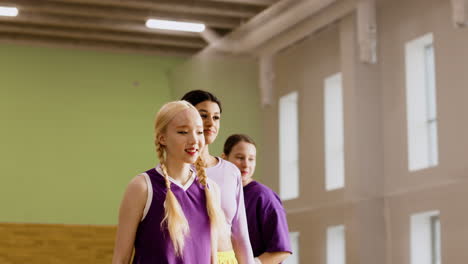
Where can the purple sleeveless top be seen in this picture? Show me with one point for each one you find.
(153, 244)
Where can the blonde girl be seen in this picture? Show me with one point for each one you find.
(171, 213)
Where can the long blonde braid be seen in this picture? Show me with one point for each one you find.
(174, 216)
(218, 222)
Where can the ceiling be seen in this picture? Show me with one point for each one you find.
(120, 24)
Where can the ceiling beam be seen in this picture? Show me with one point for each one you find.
(101, 36)
(118, 13)
(94, 45)
(248, 2)
(273, 21)
(209, 35)
(33, 18)
(188, 7)
(306, 27)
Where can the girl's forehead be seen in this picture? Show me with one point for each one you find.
(208, 106)
(245, 146)
(186, 118)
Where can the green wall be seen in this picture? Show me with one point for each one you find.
(234, 80)
(76, 126)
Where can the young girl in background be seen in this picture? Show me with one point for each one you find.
(170, 214)
(227, 176)
(268, 228)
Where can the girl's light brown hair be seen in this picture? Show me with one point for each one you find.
(233, 140)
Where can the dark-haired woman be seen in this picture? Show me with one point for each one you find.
(237, 249)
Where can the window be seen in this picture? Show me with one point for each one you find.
(334, 139)
(289, 146)
(336, 246)
(435, 239)
(294, 258)
(421, 104)
(425, 238)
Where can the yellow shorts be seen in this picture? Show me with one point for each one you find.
(227, 257)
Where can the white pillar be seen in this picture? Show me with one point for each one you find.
(266, 80)
(367, 31)
(460, 13)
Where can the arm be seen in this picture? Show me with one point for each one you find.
(240, 231)
(130, 214)
(273, 257)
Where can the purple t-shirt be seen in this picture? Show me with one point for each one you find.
(268, 228)
(228, 178)
(153, 244)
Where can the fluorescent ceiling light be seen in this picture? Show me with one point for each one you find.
(175, 25)
(8, 11)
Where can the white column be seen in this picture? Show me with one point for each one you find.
(460, 13)
(367, 31)
(266, 79)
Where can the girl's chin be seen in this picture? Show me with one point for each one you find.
(209, 139)
(191, 159)
(246, 181)
(246, 178)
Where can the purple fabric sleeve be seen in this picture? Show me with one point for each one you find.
(275, 229)
(268, 227)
